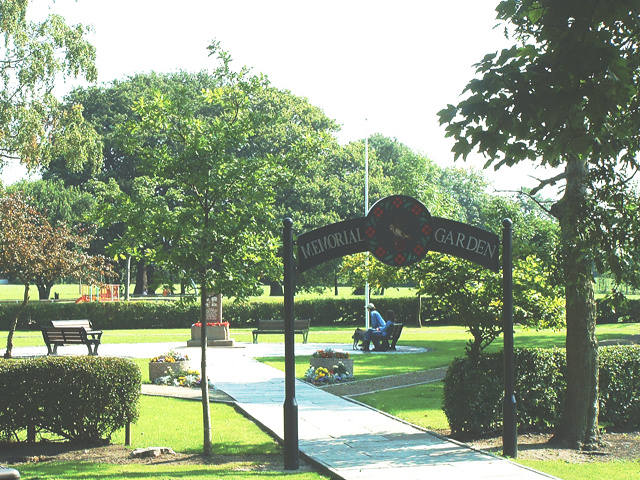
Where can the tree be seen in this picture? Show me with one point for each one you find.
(470, 295)
(567, 95)
(333, 190)
(106, 108)
(33, 57)
(220, 157)
(31, 248)
(60, 206)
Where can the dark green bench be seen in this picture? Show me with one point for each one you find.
(388, 342)
(300, 326)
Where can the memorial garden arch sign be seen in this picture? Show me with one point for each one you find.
(399, 231)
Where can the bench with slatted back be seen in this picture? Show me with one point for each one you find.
(388, 342)
(71, 332)
(300, 326)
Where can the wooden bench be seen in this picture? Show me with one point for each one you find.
(388, 342)
(300, 326)
(71, 332)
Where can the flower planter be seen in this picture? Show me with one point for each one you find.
(215, 332)
(162, 369)
(328, 363)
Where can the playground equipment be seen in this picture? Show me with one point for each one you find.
(103, 293)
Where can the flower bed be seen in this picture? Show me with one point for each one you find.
(215, 331)
(172, 363)
(183, 378)
(329, 366)
(330, 353)
(331, 363)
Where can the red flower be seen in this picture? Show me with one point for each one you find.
(400, 259)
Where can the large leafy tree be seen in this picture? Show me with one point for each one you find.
(60, 204)
(31, 248)
(117, 179)
(33, 57)
(219, 157)
(333, 190)
(567, 95)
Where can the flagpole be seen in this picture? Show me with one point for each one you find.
(366, 211)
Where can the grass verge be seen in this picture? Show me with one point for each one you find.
(177, 424)
(586, 471)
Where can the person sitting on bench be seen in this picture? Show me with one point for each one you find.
(378, 328)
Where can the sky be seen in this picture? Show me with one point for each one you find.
(373, 66)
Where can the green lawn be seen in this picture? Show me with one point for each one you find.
(234, 435)
(177, 424)
(586, 471)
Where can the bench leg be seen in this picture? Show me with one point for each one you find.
(93, 351)
(305, 336)
(255, 338)
(52, 351)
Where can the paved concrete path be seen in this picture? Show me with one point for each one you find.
(350, 440)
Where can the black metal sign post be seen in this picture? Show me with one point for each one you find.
(509, 414)
(291, 449)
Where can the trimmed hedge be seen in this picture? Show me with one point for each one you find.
(103, 315)
(473, 390)
(169, 314)
(620, 386)
(321, 311)
(78, 398)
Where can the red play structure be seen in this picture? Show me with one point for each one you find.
(104, 293)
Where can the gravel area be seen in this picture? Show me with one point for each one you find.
(361, 387)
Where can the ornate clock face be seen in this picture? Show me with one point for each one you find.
(398, 230)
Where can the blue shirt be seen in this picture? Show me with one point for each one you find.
(376, 320)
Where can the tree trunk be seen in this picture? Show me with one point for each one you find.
(275, 289)
(151, 284)
(25, 300)
(127, 280)
(141, 277)
(579, 425)
(419, 312)
(204, 383)
(44, 289)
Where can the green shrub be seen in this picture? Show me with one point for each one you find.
(620, 386)
(540, 386)
(78, 398)
(474, 390)
(104, 315)
(618, 309)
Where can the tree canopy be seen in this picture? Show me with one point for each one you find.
(34, 56)
(566, 95)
